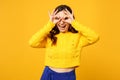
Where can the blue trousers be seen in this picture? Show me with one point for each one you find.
(49, 74)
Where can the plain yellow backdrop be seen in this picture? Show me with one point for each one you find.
(20, 19)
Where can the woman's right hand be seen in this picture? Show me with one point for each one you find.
(53, 17)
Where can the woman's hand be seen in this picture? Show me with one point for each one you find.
(53, 17)
(69, 17)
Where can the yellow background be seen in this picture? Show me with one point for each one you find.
(20, 19)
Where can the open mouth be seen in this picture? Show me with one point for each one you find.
(62, 26)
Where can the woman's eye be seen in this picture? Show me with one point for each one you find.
(66, 18)
(56, 18)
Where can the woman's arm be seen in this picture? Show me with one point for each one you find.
(88, 36)
(39, 39)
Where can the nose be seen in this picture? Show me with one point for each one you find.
(61, 21)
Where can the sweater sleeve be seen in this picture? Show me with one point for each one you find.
(88, 36)
(39, 39)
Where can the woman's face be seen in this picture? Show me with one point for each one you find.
(62, 24)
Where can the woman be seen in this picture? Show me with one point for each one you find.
(63, 37)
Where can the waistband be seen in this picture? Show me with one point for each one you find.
(57, 73)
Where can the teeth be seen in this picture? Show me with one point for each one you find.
(62, 26)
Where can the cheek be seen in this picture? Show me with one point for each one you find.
(57, 24)
(67, 26)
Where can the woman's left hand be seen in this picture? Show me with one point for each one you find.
(70, 17)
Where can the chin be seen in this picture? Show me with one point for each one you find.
(63, 31)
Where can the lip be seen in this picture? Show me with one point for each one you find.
(62, 26)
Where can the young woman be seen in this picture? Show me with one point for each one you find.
(63, 37)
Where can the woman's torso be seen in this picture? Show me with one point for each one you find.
(66, 52)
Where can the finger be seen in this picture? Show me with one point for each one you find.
(55, 12)
(68, 12)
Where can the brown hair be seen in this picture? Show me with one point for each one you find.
(55, 30)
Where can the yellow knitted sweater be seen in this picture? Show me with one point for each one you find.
(66, 52)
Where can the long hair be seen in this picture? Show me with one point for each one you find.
(55, 30)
